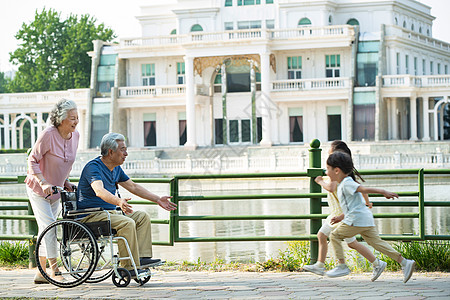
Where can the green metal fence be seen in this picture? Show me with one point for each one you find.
(315, 214)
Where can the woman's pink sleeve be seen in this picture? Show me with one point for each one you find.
(41, 147)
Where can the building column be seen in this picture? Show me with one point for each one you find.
(6, 130)
(413, 116)
(394, 118)
(426, 119)
(265, 103)
(190, 103)
(253, 93)
(223, 71)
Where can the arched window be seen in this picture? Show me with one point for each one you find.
(428, 32)
(420, 29)
(173, 31)
(330, 20)
(396, 21)
(196, 27)
(304, 22)
(404, 24)
(353, 22)
(412, 27)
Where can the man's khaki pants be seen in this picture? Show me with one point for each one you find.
(135, 227)
(369, 234)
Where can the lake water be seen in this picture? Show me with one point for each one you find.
(437, 218)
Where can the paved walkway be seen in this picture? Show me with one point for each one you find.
(237, 285)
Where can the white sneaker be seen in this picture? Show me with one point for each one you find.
(408, 269)
(338, 271)
(315, 269)
(378, 269)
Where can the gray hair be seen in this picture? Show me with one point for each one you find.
(109, 141)
(59, 112)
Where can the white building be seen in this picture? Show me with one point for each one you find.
(268, 72)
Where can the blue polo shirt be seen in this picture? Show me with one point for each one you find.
(93, 171)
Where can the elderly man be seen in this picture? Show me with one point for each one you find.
(97, 188)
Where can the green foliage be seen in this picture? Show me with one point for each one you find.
(4, 83)
(13, 150)
(53, 52)
(429, 255)
(292, 259)
(13, 253)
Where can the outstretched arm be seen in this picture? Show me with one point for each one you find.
(366, 198)
(367, 190)
(106, 196)
(329, 186)
(142, 192)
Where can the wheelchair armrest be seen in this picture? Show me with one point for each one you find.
(84, 211)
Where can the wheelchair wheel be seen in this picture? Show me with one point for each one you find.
(143, 280)
(104, 265)
(124, 280)
(77, 255)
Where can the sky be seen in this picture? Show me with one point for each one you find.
(122, 18)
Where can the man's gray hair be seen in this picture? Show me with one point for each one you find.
(60, 110)
(109, 141)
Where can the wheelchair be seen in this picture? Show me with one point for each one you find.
(85, 250)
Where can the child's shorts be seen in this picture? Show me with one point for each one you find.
(327, 229)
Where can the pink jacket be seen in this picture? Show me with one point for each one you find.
(52, 156)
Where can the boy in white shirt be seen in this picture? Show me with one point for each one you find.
(356, 217)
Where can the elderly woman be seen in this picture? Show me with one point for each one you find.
(49, 164)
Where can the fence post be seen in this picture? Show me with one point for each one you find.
(315, 203)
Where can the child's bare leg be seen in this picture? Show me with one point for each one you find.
(323, 247)
(363, 250)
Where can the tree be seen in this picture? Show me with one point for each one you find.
(4, 82)
(53, 52)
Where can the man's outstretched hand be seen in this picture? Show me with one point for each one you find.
(165, 203)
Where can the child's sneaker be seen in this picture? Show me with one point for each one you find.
(378, 269)
(339, 271)
(408, 269)
(314, 269)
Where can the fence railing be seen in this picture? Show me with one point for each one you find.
(315, 195)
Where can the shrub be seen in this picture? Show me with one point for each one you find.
(14, 253)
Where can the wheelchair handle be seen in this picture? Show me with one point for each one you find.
(56, 189)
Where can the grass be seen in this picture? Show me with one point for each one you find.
(430, 256)
(14, 254)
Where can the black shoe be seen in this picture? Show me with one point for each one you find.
(147, 261)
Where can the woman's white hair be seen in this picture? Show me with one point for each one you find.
(59, 112)
(109, 141)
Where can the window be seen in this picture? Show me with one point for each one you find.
(423, 67)
(304, 22)
(407, 64)
(150, 129)
(404, 24)
(420, 30)
(105, 74)
(196, 27)
(246, 131)
(439, 69)
(364, 116)
(218, 130)
(242, 134)
(99, 121)
(234, 131)
(334, 123)
(269, 1)
(228, 26)
(174, 31)
(367, 63)
(148, 74)
(249, 24)
(415, 66)
(396, 21)
(294, 67)
(270, 24)
(228, 3)
(412, 27)
(248, 2)
(431, 68)
(446, 69)
(398, 63)
(295, 125)
(330, 20)
(353, 22)
(182, 128)
(180, 72)
(332, 65)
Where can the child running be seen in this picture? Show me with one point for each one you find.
(356, 217)
(324, 232)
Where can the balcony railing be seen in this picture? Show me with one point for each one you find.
(234, 35)
(138, 91)
(43, 97)
(310, 84)
(416, 81)
(416, 37)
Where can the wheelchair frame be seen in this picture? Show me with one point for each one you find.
(78, 251)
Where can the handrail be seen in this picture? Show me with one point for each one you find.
(316, 203)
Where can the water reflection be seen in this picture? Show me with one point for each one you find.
(437, 219)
